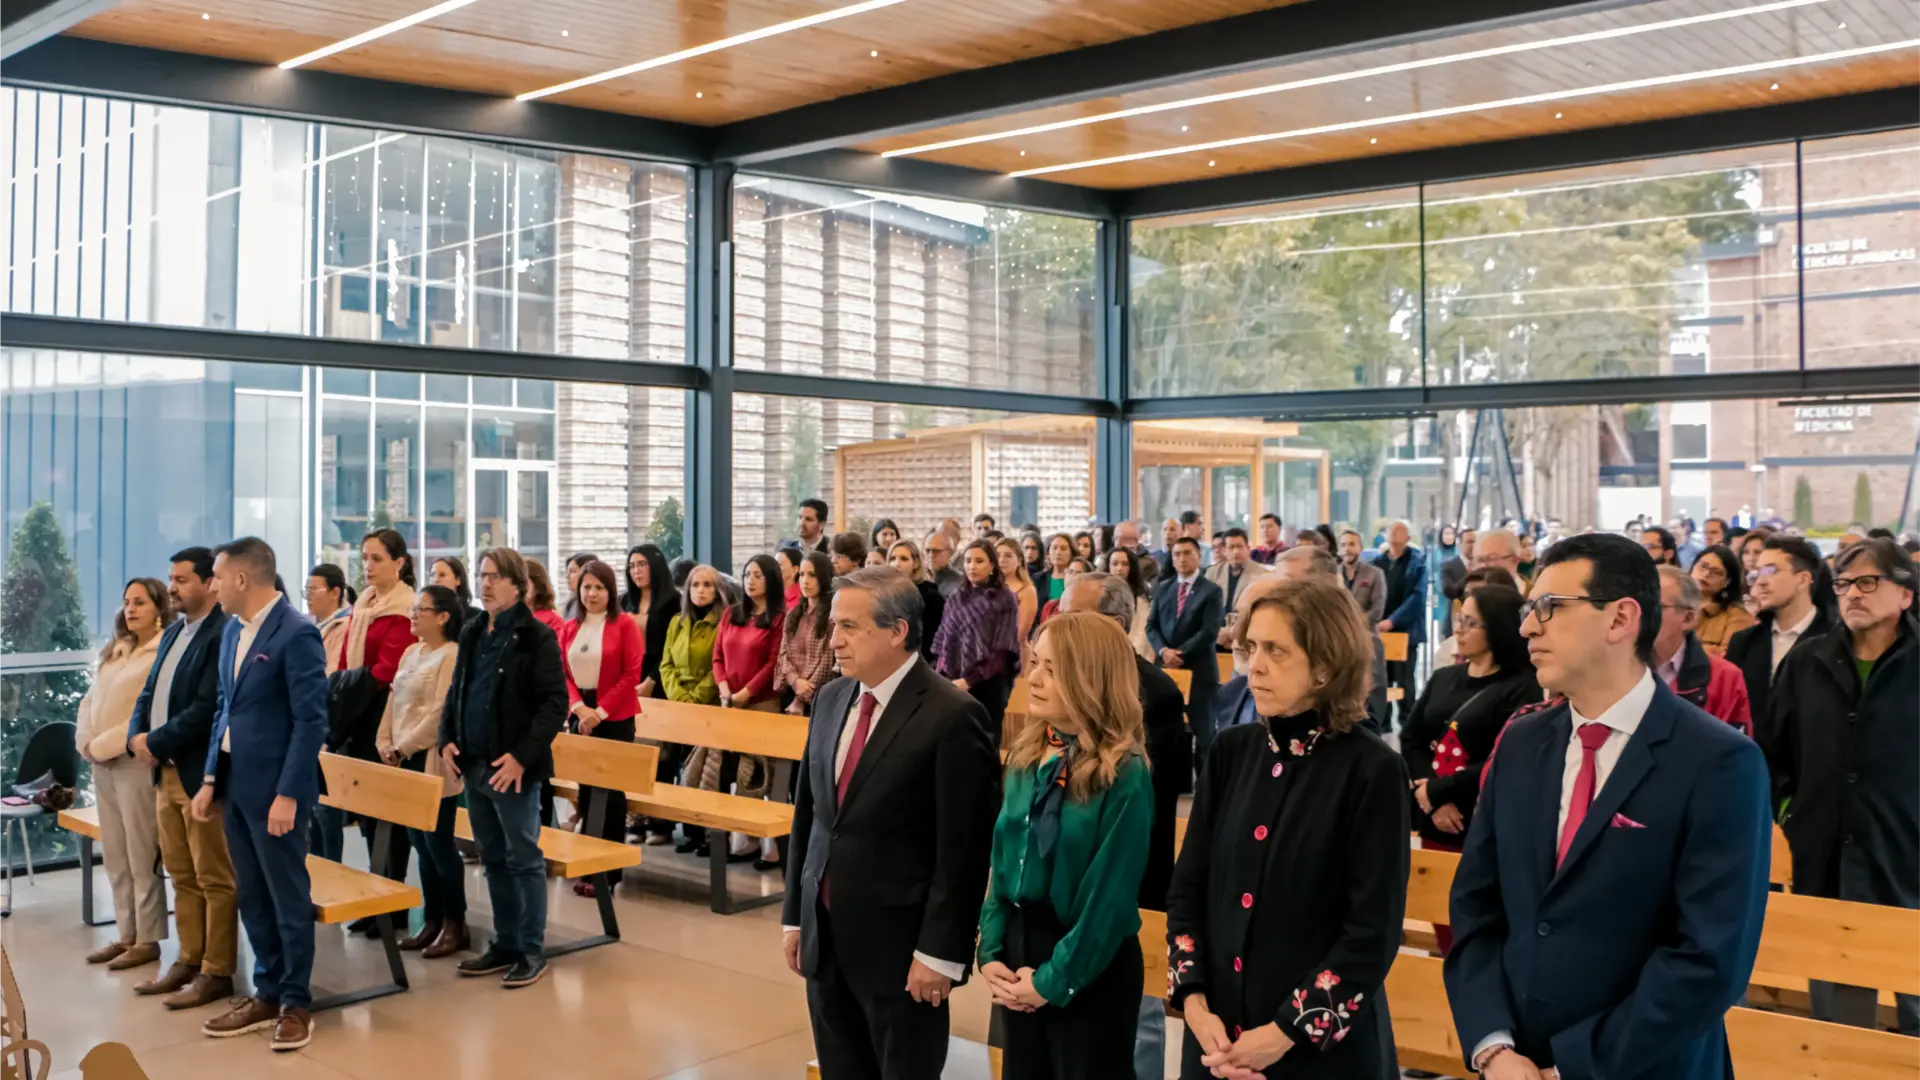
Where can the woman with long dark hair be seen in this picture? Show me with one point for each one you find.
(651, 601)
(1125, 565)
(378, 634)
(791, 559)
(884, 535)
(748, 642)
(905, 557)
(806, 648)
(1060, 928)
(1452, 728)
(1052, 580)
(450, 573)
(1723, 590)
(686, 666)
(122, 786)
(601, 651)
(978, 646)
(409, 737)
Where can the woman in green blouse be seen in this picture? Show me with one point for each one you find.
(1059, 933)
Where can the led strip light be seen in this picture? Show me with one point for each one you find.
(377, 32)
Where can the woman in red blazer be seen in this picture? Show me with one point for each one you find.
(601, 652)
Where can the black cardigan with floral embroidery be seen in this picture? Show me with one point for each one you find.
(1287, 899)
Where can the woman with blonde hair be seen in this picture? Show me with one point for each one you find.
(905, 557)
(1285, 908)
(122, 786)
(1059, 932)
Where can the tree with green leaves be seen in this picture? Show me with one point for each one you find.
(41, 611)
(1803, 502)
(1862, 499)
(668, 531)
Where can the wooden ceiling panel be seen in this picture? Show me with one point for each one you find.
(1799, 31)
(508, 47)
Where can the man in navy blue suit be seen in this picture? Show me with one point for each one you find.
(1608, 902)
(1183, 624)
(269, 724)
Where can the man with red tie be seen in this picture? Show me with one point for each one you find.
(893, 819)
(1608, 902)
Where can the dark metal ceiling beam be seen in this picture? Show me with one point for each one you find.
(26, 23)
(910, 176)
(1304, 31)
(80, 66)
(1877, 110)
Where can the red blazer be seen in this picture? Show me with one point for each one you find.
(1713, 684)
(623, 651)
(387, 641)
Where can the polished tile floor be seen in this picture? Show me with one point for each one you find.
(686, 994)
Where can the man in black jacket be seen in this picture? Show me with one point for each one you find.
(506, 701)
(1791, 614)
(172, 722)
(1183, 624)
(1843, 743)
(1163, 714)
(892, 823)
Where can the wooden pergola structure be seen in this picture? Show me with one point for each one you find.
(943, 466)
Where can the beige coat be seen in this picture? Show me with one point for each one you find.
(108, 706)
(411, 722)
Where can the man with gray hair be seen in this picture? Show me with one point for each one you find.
(1683, 663)
(1163, 712)
(893, 819)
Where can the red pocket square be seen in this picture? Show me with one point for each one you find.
(1622, 821)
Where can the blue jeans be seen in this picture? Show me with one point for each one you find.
(329, 832)
(506, 829)
(1150, 1041)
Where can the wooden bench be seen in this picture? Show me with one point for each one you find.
(604, 765)
(778, 736)
(1394, 645)
(84, 823)
(388, 797)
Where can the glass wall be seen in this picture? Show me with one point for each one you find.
(112, 463)
(1316, 295)
(1862, 257)
(911, 464)
(188, 217)
(859, 285)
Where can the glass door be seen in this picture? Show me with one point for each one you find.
(513, 507)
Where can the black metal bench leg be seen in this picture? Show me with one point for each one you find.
(720, 899)
(603, 883)
(395, 968)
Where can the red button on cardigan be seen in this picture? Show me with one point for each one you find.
(1259, 832)
(1246, 900)
(1236, 963)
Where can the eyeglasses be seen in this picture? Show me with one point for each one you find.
(1468, 622)
(1543, 607)
(1754, 575)
(1866, 583)
(489, 575)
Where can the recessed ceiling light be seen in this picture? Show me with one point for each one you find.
(563, 33)
(1371, 142)
(1775, 86)
(1485, 106)
(204, 15)
(377, 32)
(712, 47)
(1209, 164)
(1369, 97)
(875, 52)
(1557, 116)
(1023, 153)
(1183, 127)
(1842, 26)
(698, 93)
(1348, 76)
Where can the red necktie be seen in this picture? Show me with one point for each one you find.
(1591, 736)
(860, 731)
(1180, 600)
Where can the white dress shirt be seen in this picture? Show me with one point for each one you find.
(1623, 717)
(1785, 637)
(169, 664)
(249, 628)
(882, 694)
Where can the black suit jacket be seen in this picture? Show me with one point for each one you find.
(1168, 750)
(1194, 631)
(1751, 650)
(529, 705)
(908, 849)
(182, 738)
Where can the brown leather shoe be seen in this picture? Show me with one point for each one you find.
(429, 933)
(174, 978)
(201, 990)
(453, 939)
(106, 953)
(138, 956)
(293, 1030)
(248, 1014)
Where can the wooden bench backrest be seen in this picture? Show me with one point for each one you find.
(605, 763)
(1773, 1046)
(372, 790)
(1394, 645)
(1429, 880)
(745, 731)
(1183, 679)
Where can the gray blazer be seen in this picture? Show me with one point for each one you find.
(1369, 589)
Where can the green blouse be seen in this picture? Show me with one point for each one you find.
(1092, 878)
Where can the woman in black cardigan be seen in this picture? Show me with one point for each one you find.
(651, 600)
(1450, 732)
(1286, 903)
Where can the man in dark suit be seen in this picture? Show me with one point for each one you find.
(1792, 613)
(1183, 624)
(1405, 569)
(171, 726)
(893, 820)
(271, 722)
(1608, 903)
(1163, 714)
(813, 528)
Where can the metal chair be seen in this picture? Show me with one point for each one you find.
(51, 750)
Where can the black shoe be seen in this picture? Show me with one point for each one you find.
(743, 856)
(365, 927)
(684, 847)
(525, 971)
(764, 865)
(491, 962)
